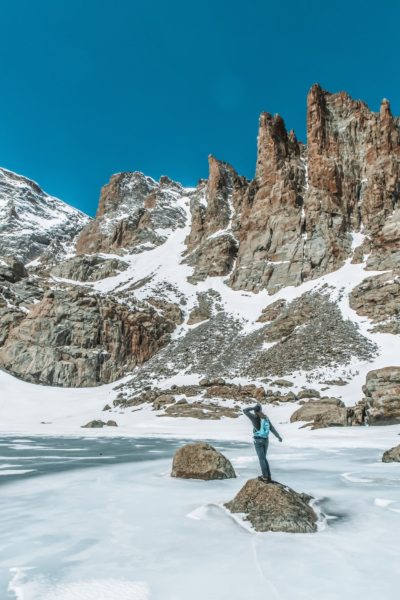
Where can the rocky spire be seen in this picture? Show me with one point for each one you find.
(274, 145)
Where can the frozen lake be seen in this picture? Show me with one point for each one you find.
(101, 519)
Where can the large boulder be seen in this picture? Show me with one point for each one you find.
(324, 412)
(274, 507)
(201, 461)
(382, 391)
(392, 455)
(12, 270)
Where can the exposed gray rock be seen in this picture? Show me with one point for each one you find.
(202, 311)
(382, 396)
(12, 270)
(378, 298)
(308, 393)
(76, 338)
(282, 383)
(309, 331)
(392, 455)
(201, 461)
(96, 424)
(88, 268)
(274, 507)
(325, 412)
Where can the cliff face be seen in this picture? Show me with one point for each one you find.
(310, 207)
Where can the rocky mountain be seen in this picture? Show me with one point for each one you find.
(293, 274)
(135, 212)
(32, 223)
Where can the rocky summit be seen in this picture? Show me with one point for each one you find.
(284, 287)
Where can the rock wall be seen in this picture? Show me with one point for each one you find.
(75, 338)
(309, 208)
(382, 396)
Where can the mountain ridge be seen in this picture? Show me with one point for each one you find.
(295, 271)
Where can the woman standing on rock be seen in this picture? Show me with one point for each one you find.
(261, 429)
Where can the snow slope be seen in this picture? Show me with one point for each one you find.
(31, 221)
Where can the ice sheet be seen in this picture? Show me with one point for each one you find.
(131, 531)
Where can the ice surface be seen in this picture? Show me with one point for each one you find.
(130, 531)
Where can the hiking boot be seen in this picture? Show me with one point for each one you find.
(264, 479)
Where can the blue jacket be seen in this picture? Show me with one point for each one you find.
(261, 427)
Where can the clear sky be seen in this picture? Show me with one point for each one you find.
(94, 87)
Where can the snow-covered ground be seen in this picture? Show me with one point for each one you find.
(28, 409)
(129, 531)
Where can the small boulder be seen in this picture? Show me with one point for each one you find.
(107, 407)
(339, 381)
(96, 423)
(217, 381)
(282, 383)
(201, 461)
(111, 423)
(289, 397)
(392, 455)
(162, 400)
(308, 394)
(274, 507)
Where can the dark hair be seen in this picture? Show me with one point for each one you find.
(259, 412)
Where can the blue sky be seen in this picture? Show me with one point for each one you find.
(93, 87)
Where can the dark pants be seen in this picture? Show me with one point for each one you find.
(261, 446)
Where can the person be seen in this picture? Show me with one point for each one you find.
(261, 429)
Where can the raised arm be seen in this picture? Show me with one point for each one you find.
(249, 412)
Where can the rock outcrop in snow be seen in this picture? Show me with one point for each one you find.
(382, 396)
(274, 507)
